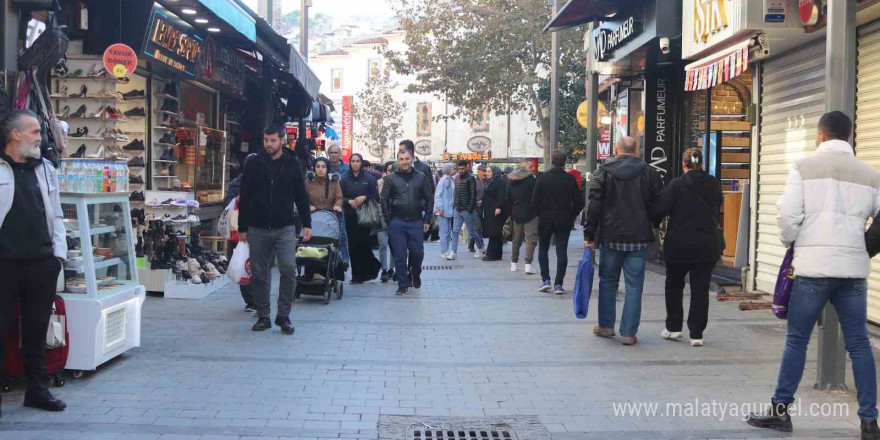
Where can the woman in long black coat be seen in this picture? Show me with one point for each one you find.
(692, 246)
(494, 214)
(358, 186)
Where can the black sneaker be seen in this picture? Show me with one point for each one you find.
(402, 291)
(170, 89)
(170, 105)
(263, 323)
(776, 417)
(870, 431)
(134, 94)
(168, 138)
(136, 179)
(137, 162)
(250, 308)
(137, 111)
(285, 324)
(137, 196)
(416, 280)
(384, 277)
(135, 145)
(39, 397)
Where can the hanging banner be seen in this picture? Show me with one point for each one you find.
(347, 126)
(661, 101)
(604, 150)
(423, 119)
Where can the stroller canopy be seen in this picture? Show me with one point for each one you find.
(325, 225)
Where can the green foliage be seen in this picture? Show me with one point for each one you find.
(380, 115)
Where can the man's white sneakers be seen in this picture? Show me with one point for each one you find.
(666, 334)
(450, 256)
(696, 342)
(530, 270)
(513, 267)
(478, 253)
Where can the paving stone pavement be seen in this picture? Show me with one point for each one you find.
(475, 341)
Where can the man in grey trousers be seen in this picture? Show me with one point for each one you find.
(272, 184)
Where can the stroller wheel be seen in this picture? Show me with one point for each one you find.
(327, 293)
(339, 288)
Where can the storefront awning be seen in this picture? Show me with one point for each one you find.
(303, 73)
(234, 15)
(718, 68)
(578, 12)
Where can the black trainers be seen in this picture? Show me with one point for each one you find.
(137, 162)
(136, 179)
(137, 196)
(776, 417)
(135, 145)
(402, 291)
(870, 431)
(416, 280)
(285, 324)
(263, 323)
(39, 397)
(134, 94)
(250, 308)
(384, 277)
(135, 112)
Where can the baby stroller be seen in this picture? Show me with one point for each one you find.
(318, 260)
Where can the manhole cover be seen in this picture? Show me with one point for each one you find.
(461, 428)
(495, 432)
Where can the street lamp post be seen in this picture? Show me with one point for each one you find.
(304, 28)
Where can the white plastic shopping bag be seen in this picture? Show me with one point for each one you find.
(239, 271)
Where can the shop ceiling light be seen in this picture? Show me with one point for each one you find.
(213, 29)
(201, 20)
(188, 11)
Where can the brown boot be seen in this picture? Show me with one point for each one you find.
(603, 332)
(629, 340)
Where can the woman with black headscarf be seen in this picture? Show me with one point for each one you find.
(358, 186)
(494, 214)
(324, 190)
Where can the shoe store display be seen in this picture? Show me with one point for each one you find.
(80, 132)
(137, 196)
(138, 180)
(192, 218)
(133, 94)
(168, 138)
(170, 89)
(136, 112)
(80, 152)
(137, 162)
(80, 112)
(170, 105)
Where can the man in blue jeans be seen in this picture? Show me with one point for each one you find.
(464, 204)
(407, 204)
(618, 219)
(827, 201)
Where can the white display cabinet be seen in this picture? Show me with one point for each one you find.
(100, 284)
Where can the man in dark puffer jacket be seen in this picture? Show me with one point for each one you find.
(464, 203)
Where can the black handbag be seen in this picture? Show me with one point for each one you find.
(47, 50)
(872, 238)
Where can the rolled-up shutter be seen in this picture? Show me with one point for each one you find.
(867, 135)
(792, 101)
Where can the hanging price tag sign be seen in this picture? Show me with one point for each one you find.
(120, 60)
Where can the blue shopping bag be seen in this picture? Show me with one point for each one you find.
(583, 284)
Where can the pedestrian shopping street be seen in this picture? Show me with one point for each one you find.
(477, 344)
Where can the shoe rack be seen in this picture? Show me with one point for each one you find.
(164, 148)
(105, 115)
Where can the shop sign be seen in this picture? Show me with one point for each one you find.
(479, 144)
(606, 40)
(809, 11)
(171, 45)
(710, 16)
(466, 156)
(718, 72)
(423, 147)
(661, 96)
(222, 65)
(120, 60)
(347, 124)
(604, 150)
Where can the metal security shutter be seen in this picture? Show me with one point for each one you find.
(867, 133)
(793, 100)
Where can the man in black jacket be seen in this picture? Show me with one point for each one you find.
(525, 222)
(618, 219)
(272, 184)
(464, 203)
(407, 204)
(557, 202)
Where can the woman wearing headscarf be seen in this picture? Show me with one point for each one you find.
(324, 189)
(358, 186)
(443, 196)
(494, 214)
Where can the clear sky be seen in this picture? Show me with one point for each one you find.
(339, 9)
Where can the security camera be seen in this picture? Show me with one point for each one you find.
(664, 46)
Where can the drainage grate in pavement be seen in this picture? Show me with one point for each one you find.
(461, 428)
(438, 267)
(461, 433)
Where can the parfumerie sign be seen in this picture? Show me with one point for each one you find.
(609, 39)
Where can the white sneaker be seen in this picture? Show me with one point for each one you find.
(666, 334)
(450, 256)
(530, 270)
(513, 267)
(696, 342)
(478, 253)
(444, 256)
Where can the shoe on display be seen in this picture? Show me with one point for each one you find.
(168, 138)
(80, 112)
(178, 219)
(83, 90)
(178, 202)
(136, 144)
(191, 203)
(170, 89)
(164, 171)
(167, 202)
(192, 218)
(154, 202)
(137, 162)
(80, 132)
(80, 152)
(169, 105)
(136, 180)
(133, 94)
(136, 112)
(137, 196)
